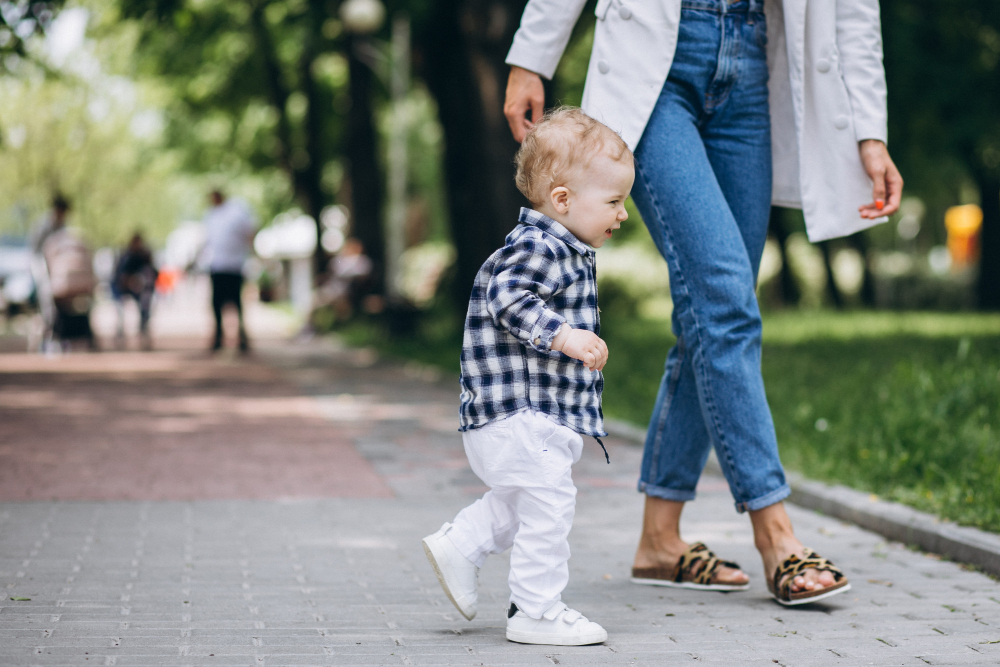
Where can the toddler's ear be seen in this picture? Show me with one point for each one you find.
(560, 199)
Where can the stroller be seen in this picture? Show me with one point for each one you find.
(64, 279)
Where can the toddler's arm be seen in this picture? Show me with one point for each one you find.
(525, 277)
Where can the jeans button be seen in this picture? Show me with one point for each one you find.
(823, 65)
(603, 67)
(625, 13)
(840, 122)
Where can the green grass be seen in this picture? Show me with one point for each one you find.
(904, 405)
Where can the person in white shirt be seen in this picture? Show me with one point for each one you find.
(230, 228)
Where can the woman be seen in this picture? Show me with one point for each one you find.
(730, 106)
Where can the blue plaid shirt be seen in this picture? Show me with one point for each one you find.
(542, 277)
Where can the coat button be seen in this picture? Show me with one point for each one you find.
(840, 122)
(823, 65)
(538, 341)
(603, 67)
(625, 13)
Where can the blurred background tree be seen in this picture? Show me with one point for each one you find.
(254, 86)
(942, 60)
(70, 123)
(19, 22)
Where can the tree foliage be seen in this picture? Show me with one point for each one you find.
(943, 70)
(71, 124)
(19, 22)
(254, 83)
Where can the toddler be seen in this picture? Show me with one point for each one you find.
(531, 381)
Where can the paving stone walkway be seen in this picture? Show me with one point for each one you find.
(170, 509)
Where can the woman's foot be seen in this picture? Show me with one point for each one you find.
(696, 568)
(776, 542)
(661, 546)
(809, 580)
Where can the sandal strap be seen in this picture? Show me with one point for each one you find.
(792, 566)
(698, 565)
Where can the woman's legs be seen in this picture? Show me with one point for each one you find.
(703, 182)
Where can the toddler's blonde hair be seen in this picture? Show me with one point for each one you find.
(563, 139)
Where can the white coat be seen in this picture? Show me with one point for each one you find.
(827, 88)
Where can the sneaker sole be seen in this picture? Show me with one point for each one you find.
(557, 640)
(722, 588)
(429, 550)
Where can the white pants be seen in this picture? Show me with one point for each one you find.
(526, 461)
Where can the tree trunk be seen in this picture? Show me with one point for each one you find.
(790, 293)
(305, 177)
(366, 178)
(464, 43)
(831, 283)
(988, 287)
(310, 175)
(867, 294)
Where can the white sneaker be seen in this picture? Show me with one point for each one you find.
(559, 626)
(458, 575)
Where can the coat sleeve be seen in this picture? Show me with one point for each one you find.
(859, 41)
(525, 277)
(546, 26)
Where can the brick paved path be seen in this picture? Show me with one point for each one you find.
(169, 509)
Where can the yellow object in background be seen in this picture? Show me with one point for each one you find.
(963, 224)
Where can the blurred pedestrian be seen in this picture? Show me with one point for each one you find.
(230, 228)
(64, 279)
(697, 88)
(52, 221)
(348, 279)
(135, 277)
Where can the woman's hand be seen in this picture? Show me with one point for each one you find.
(524, 92)
(888, 184)
(583, 345)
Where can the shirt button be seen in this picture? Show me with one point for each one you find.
(840, 122)
(823, 65)
(538, 341)
(603, 67)
(625, 13)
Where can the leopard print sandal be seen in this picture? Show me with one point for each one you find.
(695, 570)
(780, 585)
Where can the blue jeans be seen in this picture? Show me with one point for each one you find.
(703, 187)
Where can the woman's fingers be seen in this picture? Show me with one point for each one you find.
(894, 188)
(524, 93)
(887, 184)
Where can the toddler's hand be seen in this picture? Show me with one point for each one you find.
(583, 345)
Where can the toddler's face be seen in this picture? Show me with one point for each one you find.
(595, 202)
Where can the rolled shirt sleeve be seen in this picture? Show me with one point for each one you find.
(859, 41)
(526, 276)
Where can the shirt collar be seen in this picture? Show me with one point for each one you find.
(532, 217)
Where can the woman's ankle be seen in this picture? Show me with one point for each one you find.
(659, 551)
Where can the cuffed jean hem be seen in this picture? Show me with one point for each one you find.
(665, 493)
(766, 500)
